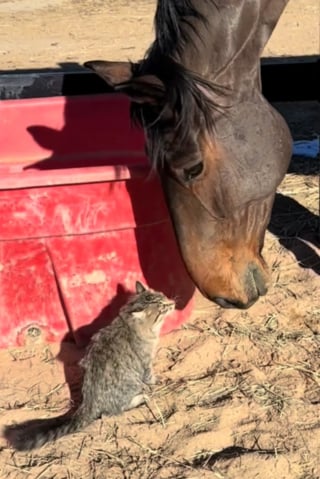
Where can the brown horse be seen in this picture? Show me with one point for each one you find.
(220, 148)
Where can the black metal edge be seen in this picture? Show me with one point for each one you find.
(291, 79)
(283, 79)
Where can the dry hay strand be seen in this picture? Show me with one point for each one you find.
(204, 424)
(269, 334)
(310, 372)
(210, 398)
(209, 459)
(266, 395)
(158, 458)
(52, 401)
(27, 462)
(304, 187)
(155, 413)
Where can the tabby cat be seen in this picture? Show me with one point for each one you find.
(117, 366)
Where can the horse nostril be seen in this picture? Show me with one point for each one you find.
(260, 281)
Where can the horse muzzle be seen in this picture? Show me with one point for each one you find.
(254, 285)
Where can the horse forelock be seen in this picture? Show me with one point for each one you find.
(191, 100)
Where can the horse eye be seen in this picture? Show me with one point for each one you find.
(193, 172)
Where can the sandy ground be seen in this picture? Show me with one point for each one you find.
(46, 33)
(239, 392)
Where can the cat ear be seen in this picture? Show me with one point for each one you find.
(139, 314)
(139, 287)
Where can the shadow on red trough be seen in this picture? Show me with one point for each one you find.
(81, 220)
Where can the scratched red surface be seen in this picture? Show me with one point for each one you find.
(80, 220)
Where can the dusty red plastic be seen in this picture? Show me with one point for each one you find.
(80, 220)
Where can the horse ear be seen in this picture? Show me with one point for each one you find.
(140, 89)
(112, 73)
(139, 287)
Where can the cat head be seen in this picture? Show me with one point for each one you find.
(149, 308)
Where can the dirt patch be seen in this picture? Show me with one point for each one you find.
(235, 397)
(239, 392)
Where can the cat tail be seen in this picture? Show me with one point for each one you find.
(33, 434)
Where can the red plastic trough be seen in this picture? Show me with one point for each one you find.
(80, 219)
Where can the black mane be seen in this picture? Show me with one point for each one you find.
(184, 98)
(170, 14)
(185, 90)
